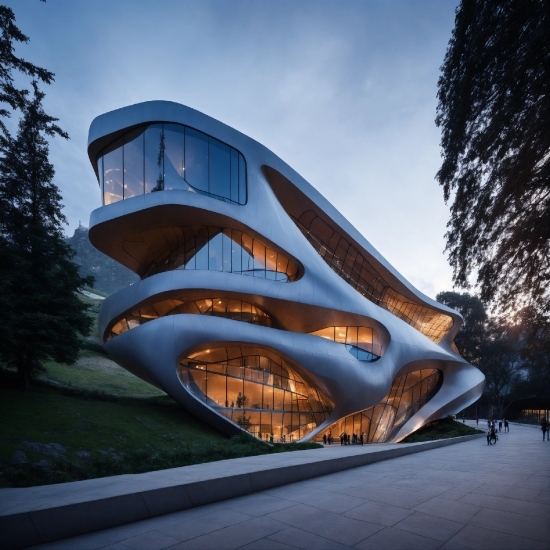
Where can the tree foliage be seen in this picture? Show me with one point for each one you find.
(470, 337)
(12, 97)
(535, 354)
(494, 113)
(501, 363)
(42, 317)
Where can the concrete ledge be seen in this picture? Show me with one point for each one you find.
(44, 514)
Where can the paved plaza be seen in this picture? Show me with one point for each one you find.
(468, 495)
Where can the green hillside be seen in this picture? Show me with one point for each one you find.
(95, 419)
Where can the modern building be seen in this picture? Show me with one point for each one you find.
(260, 307)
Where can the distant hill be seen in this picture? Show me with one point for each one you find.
(109, 275)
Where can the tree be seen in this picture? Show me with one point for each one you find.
(500, 363)
(469, 338)
(535, 353)
(494, 112)
(42, 316)
(10, 95)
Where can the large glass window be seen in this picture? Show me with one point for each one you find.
(236, 310)
(216, 249)
(112, 173)
(167, 156)
(133, 164)
(174, 156)
(351, 266)
(407, 395)
(362, 342)
(257, 390)
(154, 158)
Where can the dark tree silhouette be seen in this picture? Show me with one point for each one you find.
(494, 113)
(12, 97)
(470, 337)
(42, 317)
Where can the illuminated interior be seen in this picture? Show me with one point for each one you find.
(216, 249)
(362, 342)
(407, 395)
(345, 260)
(217, 307)
(164, 157)
(256, 389)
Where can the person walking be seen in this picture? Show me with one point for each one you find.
(544, 428)
(362, 439)
(506, 426)
(500, 426)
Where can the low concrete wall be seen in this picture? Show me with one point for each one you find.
(39, 523)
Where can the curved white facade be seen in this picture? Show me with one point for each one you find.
(260, 307)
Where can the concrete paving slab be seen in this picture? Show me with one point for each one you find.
(338, 528)
(395, 539)
(429, 526)
(234, 536)
(382, 514)
(298, 538)
(480, 538)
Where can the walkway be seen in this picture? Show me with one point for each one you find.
(468, 495)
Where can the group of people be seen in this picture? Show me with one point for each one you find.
(345, 439)
(492, 425)
(492, 436)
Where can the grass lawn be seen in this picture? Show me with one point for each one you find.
(441, 429)
(95, 419)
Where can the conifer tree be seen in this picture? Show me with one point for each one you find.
(12, 97)
(42, 318)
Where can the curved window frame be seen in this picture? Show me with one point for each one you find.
(355, 340)
(228, 250)
(356, 270)
(407, 395)
(278, 392)
(210, 162)
(246, 313)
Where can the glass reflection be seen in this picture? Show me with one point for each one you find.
(133, 164)
(112, 173)
(407, 395)
(362, 342)
(217, 307)
(167, 156)
(257, 390)
(216, 249)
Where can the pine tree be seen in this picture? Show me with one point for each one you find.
(42, 316)
(12, 97)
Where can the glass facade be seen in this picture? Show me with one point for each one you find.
(256, 389)
(362, 342)
(217, 307)
(216, 249)
(345, 260)
(407, 395)
(534, 415)
(163, 156)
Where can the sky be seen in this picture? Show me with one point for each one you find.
(343, 91)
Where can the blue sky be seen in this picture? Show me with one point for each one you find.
(343, 91)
